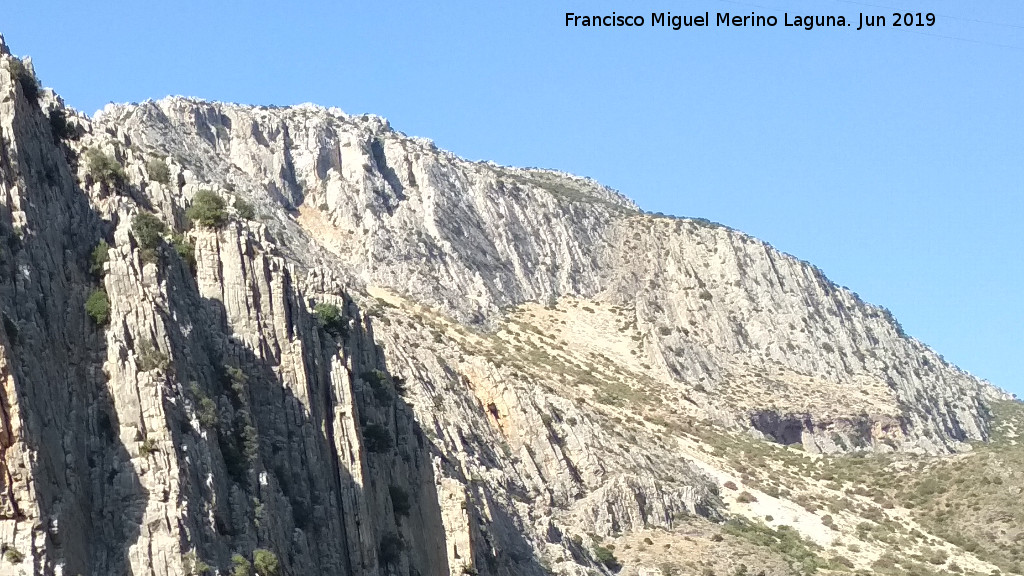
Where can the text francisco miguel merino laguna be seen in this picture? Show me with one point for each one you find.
(676, 22)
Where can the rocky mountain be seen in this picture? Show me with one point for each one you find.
(283, 341)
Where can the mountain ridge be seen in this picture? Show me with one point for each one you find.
(340, 346)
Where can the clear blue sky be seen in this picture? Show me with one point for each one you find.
(891, 158)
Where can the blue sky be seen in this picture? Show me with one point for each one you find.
(891, 158)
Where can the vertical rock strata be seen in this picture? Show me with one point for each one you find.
(504, 342)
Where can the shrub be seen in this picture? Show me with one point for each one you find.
(839, 562)
(400, 502)
(887, 561)
(937, 556)
(12, 555)
(785, 541)
(148, 447)
(240, 566)
(186, 249)
(100, 255)
(391, 546)
(158, 170)
(60, 127)
(208, 210)
(149, 230)
(193, 566)
(607, 557)
(266, 563)
(329, 317)
(103, 167)
(150, 358)
(377, 380)
(731, 485)
(236, 378)
(250, 440)
(377, 438)
(746, 497)
(206, 409)
(25, 77)
(245, 209)
(98, 307)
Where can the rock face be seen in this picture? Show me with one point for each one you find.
(387, 359)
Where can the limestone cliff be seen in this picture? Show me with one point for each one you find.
(384, 359)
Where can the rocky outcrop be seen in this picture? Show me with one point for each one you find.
(384, 359)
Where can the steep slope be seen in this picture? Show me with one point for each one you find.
(378, 358)
(715, 308)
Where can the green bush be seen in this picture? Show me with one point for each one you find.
(158, 170)
(193, 565)
(12, 555)
(391, 546)
(149, 230)
(208, 210)
(150, 358)
(378, 381)
(266, 563)
(607, 557)
(377, 438)
(100, 255)
(148, 447)
(103, 167)
(98, 307)
(206, 408)
(784, 540)
(245, 209)
(235, 378)
(329, 317)
(25, 77)
(240, 566)
(186, 249)
(400, 502)
(60, 127)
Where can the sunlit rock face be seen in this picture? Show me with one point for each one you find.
(385, 359)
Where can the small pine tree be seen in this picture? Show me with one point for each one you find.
(377, 438)
(329, 317)
(98, 307)
(240, 566)
(158, 170)
(400, 502)
(186, 249)
(149, 230)
(266, 563)
(60, 127)
(103, 167)
(100, 255)
(208, 210)
(245, 209)
(25, 77)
